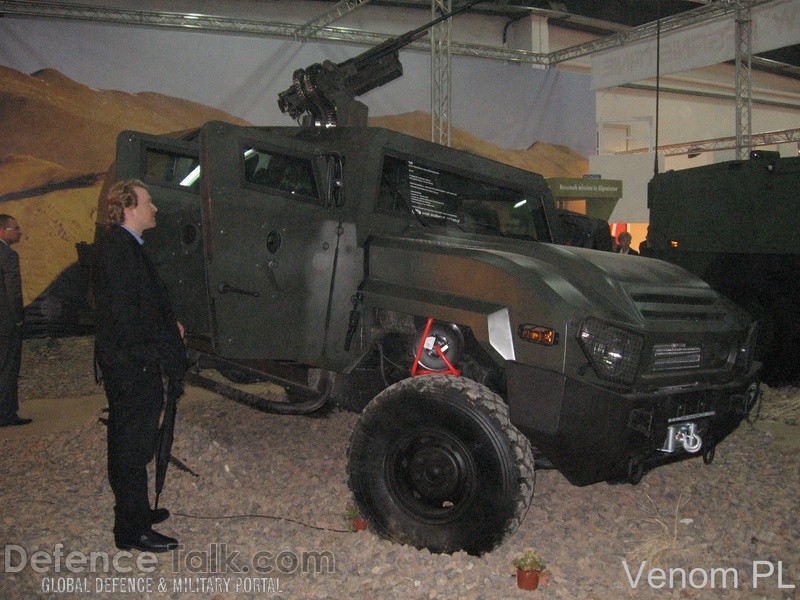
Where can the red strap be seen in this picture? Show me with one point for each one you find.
(415, 368)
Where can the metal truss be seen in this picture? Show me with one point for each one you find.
(85, 12)
(693, 17)
(89, 12)
(744, 86)
(769, 138)
(441, 53)
(337, 12)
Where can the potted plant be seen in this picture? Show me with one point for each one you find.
(354, 519)
(529, 568)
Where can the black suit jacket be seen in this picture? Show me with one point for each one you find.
(136, 325)
(10, 292)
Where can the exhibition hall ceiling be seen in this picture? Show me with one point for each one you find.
(604, 18)
(609, 19)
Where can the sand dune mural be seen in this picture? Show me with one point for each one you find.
(549, 160)
(57, 142)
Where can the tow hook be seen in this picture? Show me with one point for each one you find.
(684, 434)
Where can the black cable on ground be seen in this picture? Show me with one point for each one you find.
(260, 516)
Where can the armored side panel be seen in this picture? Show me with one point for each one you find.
(170, 168)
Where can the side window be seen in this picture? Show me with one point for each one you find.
(173, 169)
(441, 198)
(280, 171)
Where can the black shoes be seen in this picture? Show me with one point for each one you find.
(158, 515)
(15, 420)
(149, 541)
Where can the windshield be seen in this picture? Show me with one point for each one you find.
(439, 198)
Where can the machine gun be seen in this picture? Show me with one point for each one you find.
(324, 94)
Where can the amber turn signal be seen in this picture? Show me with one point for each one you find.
(538, 335)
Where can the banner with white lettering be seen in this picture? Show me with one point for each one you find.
(774, 25)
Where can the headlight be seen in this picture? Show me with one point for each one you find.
(613, 353)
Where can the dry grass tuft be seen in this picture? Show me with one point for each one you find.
(664, 541)
(780, 404)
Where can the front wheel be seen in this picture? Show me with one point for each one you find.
(435, 462)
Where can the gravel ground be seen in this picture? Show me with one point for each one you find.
(264, 513)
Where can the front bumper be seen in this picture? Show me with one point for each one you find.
(592, 434)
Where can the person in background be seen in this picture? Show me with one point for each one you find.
(624, 244)
(644, 246)
(11, 316)
(138, 343)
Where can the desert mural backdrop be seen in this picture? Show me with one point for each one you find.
(57, 144)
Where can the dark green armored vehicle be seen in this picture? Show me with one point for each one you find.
(422, 285)
(735, 224)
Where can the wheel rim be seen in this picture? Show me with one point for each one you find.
(449, 339)
(432, 474)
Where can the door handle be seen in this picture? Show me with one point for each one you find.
(225, 287)
(273, 241)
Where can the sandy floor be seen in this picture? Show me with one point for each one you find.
(266, 486)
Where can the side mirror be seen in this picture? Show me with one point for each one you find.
(334, 180)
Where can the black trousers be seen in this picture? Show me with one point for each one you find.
(135, 400)
(10, 360)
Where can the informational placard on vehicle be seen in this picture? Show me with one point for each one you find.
(428, 198)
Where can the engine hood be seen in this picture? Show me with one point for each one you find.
(632, 290)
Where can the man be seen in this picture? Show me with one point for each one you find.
(624, 241)
(138, 342)
(10, 323)
(645, 249)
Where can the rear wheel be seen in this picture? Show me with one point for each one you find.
(434, 462)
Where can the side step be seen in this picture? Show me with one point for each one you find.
(302, 399)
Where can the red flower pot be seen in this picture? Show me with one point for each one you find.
(527, 580)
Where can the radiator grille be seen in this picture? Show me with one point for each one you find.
(676, 356)
(670, 357)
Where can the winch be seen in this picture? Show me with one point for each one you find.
(684, 434)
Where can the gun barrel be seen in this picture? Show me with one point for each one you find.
(324, 91)
(395, 44)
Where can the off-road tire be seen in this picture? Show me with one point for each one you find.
(434, 462)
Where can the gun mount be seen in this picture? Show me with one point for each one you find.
(324, 94)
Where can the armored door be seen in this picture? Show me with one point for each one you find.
(170, 168)
(271, 244)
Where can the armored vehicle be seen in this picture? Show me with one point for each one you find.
(422, 286)
(735, 224)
